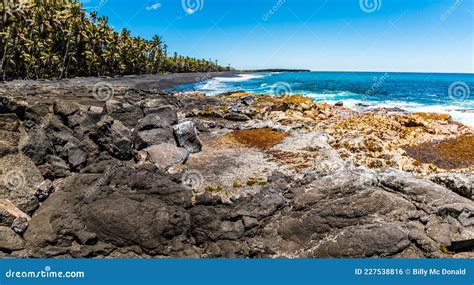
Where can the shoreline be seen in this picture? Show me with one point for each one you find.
(166, 82)
(222, 175)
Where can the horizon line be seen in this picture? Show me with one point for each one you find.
(355, 71)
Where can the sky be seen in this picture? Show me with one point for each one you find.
(320, 35)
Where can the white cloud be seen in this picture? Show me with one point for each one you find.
(154, 6)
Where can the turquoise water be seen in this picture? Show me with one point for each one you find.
(428, 92)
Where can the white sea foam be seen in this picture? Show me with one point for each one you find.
(219, 85)
(461, 114)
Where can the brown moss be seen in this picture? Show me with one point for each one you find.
(298, 161)
(213, 189)
(292, 99)
(447, 154)
(237, 184)
(433, 116)
(264, 138)
(254, 181)
(251, 181)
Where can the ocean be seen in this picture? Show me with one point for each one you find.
(413, 92)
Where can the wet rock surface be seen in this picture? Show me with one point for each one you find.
(150, 174)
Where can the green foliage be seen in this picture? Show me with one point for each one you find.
(57, 39)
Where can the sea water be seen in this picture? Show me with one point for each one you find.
(413, 92)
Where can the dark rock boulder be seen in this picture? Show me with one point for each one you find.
(166, 155)
(238, 117)
(166, 113)
(64, 108)
(462, 184)
(111, 135)
(19, 225)
(154, 128)
(54, 167)
(37, 146)
(9, 240)
(76, 157)
(126, 113)
(44, 190)
(147, 138)
(10, 105)
(186, 136)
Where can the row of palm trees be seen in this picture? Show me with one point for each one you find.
(56, 39)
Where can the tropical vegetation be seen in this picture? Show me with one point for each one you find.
(59, 39)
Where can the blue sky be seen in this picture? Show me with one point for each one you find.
(323, 35)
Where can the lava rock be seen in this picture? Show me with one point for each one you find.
(462, 184)
(112, 136)
(236, 117)
(126, 113)
(55, 167)
(166, 113)
(166, 155)
(44, 190)
(9, 240)
(186, 136)
(76, 157)
(8, 213)
(19, 225)
(37, 146)
(144, 139)
(64, 109)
